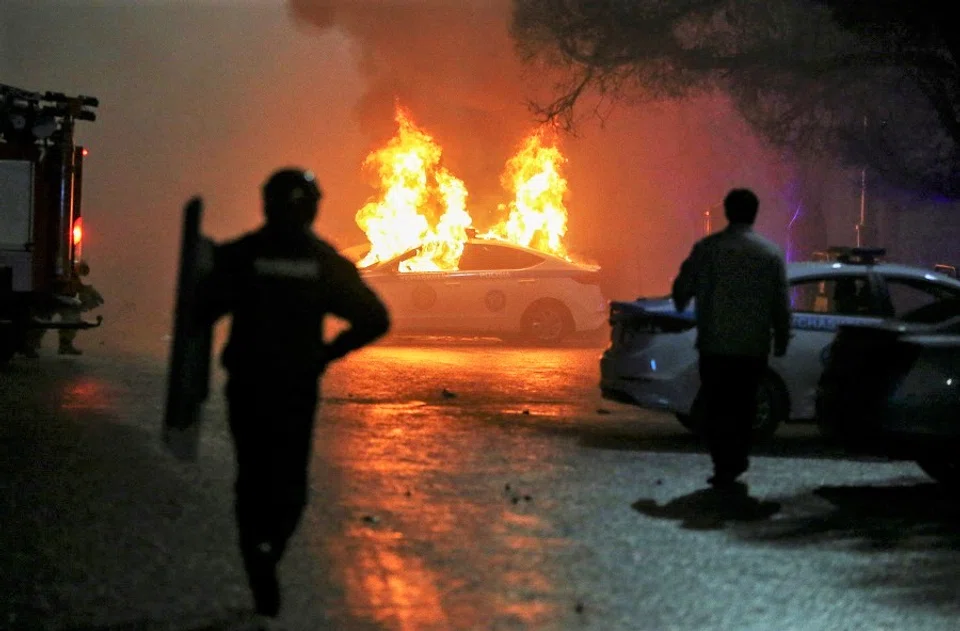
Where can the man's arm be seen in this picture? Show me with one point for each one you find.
(685, 284)
(356, 303)
(781, 310)
(216, 294)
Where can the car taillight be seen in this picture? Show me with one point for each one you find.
(77, 237)
(586, 278)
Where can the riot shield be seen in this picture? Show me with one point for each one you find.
(188, 378)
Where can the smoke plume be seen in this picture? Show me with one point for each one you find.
(209, 98)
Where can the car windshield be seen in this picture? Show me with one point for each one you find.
(355, 253)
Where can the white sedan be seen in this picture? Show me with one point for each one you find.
(499, 289)
(652, 362)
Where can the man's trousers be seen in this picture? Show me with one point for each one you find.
(271, 420)
(728, 388)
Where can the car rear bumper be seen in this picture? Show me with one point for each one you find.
(629, 378)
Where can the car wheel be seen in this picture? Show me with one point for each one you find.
(944, 470)
(546, 322)
(772, 409)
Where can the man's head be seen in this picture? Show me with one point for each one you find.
(82, 268)
(740, 206)
(291, 198)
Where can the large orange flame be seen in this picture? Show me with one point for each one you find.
(420, 203)
(537, 216)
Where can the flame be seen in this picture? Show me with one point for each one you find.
(420, 204)
(537, 215)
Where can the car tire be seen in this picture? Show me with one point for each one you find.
(546, 322)
(944, 470)
(773, 408)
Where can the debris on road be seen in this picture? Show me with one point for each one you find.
(447, 394)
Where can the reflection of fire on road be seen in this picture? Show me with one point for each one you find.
(420, 202)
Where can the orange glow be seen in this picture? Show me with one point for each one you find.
(77, 231)
(419, 202)
(84, 152)
(86, 394)
(386, 452)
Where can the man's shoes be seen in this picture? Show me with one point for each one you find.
(262, 572)
(723, 480)
(267, 623)
(260, 623)
(69, 349)
(727, 473)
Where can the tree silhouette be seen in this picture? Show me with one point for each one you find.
(872, 83)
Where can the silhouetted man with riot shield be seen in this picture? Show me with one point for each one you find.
(279, 283)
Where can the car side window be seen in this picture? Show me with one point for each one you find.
(839, 295)
(477, 256)
(917, 301)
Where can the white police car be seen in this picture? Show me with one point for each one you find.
(651, 361)
(499, 289)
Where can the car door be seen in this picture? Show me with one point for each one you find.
(919, 299)
(819, 306)
(419, 302)
(494, 286)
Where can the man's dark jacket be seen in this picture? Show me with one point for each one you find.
(279, 284)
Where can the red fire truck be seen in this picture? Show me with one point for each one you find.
(41, 225)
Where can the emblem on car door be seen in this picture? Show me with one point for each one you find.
(495, 300)
(424, 296)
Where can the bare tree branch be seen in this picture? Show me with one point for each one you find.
(804, 72)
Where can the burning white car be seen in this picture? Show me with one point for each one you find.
(438, 276)
(498, 289)
(652, 362)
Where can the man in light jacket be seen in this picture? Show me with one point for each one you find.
(738, 282)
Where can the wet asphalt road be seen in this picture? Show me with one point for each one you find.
(454, 486)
